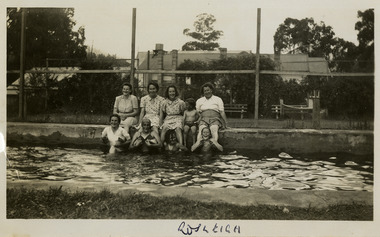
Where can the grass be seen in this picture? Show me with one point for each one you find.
(288, 123)
(56, 203)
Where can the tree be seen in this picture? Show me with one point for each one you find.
(204, 34)
(49, 34)
(304, 36)
(366, 27)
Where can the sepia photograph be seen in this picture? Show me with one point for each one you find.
(188, 118)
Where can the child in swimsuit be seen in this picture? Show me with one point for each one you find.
(190, 120)
(206, 144)
(173, 145)
(146, 138)
(114, 135)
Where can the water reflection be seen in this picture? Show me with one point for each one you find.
(221, 171)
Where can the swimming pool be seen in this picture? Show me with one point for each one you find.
(242, 169)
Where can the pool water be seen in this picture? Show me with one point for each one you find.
(230, 170)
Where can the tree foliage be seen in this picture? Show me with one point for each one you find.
(91, 93)
(205, 36)
(49, 34)
(366, 28)
(304, 36)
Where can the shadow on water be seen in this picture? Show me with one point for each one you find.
(243, 169)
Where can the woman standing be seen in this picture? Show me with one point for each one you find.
(151, 106)
(172, 110)
(126, 106)
(211, 109)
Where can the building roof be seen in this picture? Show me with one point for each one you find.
(205, 56)
(287, 62)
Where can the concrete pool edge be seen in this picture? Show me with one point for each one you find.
(289, 198)
(359, 142)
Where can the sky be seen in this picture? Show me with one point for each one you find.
(109, 27)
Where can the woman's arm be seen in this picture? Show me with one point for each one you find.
(161, 113)
(184, 118)
(142, 113)
(115, 106)
(133, 145)
(159, 144)
(196, 145)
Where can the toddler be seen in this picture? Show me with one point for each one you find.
(190, 120)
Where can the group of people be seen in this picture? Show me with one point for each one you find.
(165, 122)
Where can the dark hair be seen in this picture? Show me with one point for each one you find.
(154, 84)
(207, 84)
(167, 91)
(191, 102)
(127, 84)
(169, 134)
(117, 116)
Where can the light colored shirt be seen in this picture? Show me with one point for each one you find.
(114, 136)
(125, 105)
(213, 103)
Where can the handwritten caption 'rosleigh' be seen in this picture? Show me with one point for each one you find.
(187, 229)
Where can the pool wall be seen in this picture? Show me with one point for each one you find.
(359, 142)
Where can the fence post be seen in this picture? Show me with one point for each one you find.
(316, 109)
(257, 84)
(132, 75)
(22, 101)
(281, 108)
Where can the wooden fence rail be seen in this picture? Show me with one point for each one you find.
(336, 74)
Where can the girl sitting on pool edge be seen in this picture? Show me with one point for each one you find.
(146, 138)
(114, 135)
(206, 144)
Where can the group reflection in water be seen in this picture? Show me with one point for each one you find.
(165, 123)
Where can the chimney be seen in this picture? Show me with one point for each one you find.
(159, 53)
(223, 53)
(174, 54)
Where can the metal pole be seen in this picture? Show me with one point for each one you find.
(132, 75)
(21, 112)
(46, 84)
(256, 118)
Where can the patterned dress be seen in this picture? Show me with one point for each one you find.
(174, 113)
(152, 108)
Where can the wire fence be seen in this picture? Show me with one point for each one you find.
(68, 91)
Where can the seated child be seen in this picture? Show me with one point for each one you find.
(206, 144)
(146, 138)
(114, 135)
(190, 120)
(173, 145)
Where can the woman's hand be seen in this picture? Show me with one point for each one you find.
(121, 139)
(123, 116)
